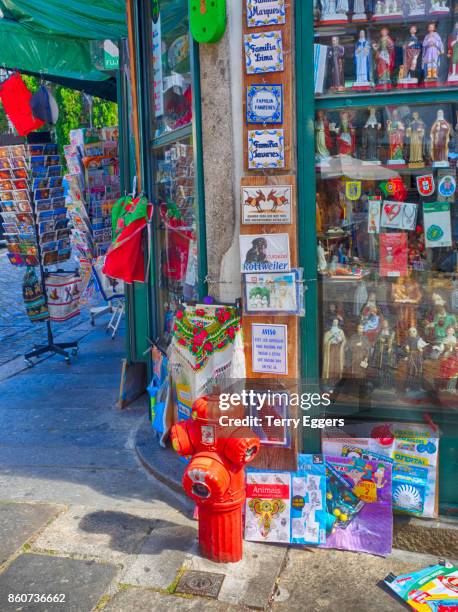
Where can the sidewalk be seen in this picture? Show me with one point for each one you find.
(80, 518)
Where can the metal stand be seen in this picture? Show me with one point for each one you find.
(55, 348)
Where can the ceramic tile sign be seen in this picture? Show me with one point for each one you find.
(266, 149)
(264, 52)
(264, 104)
(266, 205)
(269, 349)
(265, 12)
(438, 229)
(265, 253)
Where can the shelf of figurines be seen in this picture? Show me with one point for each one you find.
(343, 12)
(390, 342)
(383, 55)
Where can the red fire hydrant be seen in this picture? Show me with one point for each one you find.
(215, 477)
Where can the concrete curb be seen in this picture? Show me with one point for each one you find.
(162, 463)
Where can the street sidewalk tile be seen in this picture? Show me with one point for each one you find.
(330, 580)
(19, 522)
(162, 555)
(103, 534)
(81, 584)
(251, 581)
(142, 600)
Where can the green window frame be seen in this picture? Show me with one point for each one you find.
(147, 318)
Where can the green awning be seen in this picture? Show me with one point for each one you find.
(53, 38)
(89, 19)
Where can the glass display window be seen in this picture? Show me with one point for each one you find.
(172, 79)
(177, 229)
(385, 45)
(387, 230)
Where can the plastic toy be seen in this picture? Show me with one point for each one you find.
(207, 20)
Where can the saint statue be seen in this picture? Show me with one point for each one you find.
(371, 136)
(411, 55)
(406, 295)
(363, 61)
(416, 7)
(453, 56)
(334, 10)
(439, 7)
(433, 48)
(371, 317)
(384, 358)
(346, 135)
(322, 136)
(334, 343)
(441, 133)
(384, 57)
(416, 135)
(359, 11)
(414, 346)
(359, 349)
(396, 134)
(336, 61)
(440, 321)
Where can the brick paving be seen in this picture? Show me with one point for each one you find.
(17, 333)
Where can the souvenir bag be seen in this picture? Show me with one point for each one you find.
(34, 299)
(125, 259)
(64, 292)
(16, 100)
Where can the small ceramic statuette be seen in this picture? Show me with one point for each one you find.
(334, 11)
(408, 73)
(453, 56)
(433, 49)
(384, 54)
(440, 134)
(363, 63)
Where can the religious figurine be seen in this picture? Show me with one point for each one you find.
(396, 130)
(449, 342)
(371, 318)
(414, 347)
(359, 11)
(371, 136)
(360, 298)
(334, 343)
(416, 135)
(334, 11)
(336, 61)
(359, 349)
(322, 262)
(384, 58)
(384, 358)
(416, 7)
(433, 48)
(411, 55)
(440, 322)
(439, 7)
(322, 137)
(334, 313)
(453, 56)
(387, 9)
(449, 372)
(441, 133)
(406, 295)
(346, 135)
(363, 62)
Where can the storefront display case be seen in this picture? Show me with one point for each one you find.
(380, 122)
(175, 164)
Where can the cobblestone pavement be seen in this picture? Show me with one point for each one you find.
(17, 333)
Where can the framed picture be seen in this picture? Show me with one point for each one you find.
(272, 293)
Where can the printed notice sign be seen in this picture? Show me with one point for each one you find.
(265, 12)
(269, 348)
